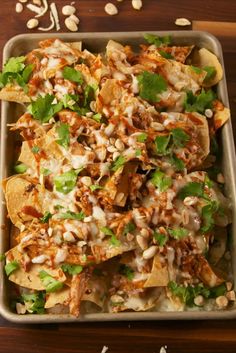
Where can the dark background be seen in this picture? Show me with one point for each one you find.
(134, 337)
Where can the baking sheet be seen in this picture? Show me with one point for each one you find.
(96, 42)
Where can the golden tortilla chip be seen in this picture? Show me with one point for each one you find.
(110, 91)
(140, 302)
(22, 199)
(203, 134)
(14, 93)
(60, 297)
(159, 276)
(220, 117)
(30, 279)
(204, 58)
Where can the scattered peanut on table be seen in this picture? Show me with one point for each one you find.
(40, 8)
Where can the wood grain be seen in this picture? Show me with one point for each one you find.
(125, 337)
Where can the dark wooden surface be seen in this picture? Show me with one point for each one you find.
(125, 337)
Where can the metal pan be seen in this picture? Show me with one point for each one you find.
(20, 45)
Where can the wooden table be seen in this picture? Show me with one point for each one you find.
(126, 337)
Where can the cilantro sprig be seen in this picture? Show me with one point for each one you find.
(66, 182)
(178, 232)
(165, 144)
(36, 300)
(157, 41)
(43, 108)
(50, 283)
(160, 238)
(200, 102)
(72, 269)
(47, 215)
(161, 181)
(72, 215)
(187, 294)
(15, 70)
(150, 85)
(126, 271)
(118, 163)
(113, 241)
(69, 73)
(11, 267)
(64, 135)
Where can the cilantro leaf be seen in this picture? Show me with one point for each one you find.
(126, 271)
(64, 135)
(187, 294)
(118, 163)
(177, 163)
(107, 231)
(72, 75)
(14, 64)
(129, 227)
(46, 217)
(178, 233)
(166, 55)
(138, 152)
(72, 269)
(142, 137)
(50, 283)
(97, 117)
(162, 143)
(37, 300)
(66, 182)
(157, 41)
(161, 181)
(150, 85)
(2, 257)
(45, 171)
(72, 215)
(42, 109)
(95, 187)
(200, 102)
(207, 216)
(180, 138)
(211, 72)
(196, 69)
(35, 149)
(191, 189)
(160, 238)
(11, 267)
(89, 95)
(27, 72)
(20, 168)
(218, 291)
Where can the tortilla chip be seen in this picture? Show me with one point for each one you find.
(140, 302)
(106, 251)
(14, 93)
(206, 274)
(220, 117)
(110, 91)
(31, 278)
(203, 134)
(26, 156)
(22, 192)
(60, 297)
(96, 291)
(159, 276)
(203, 58)
(75, 45)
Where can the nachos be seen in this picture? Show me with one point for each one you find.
(115, 196)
